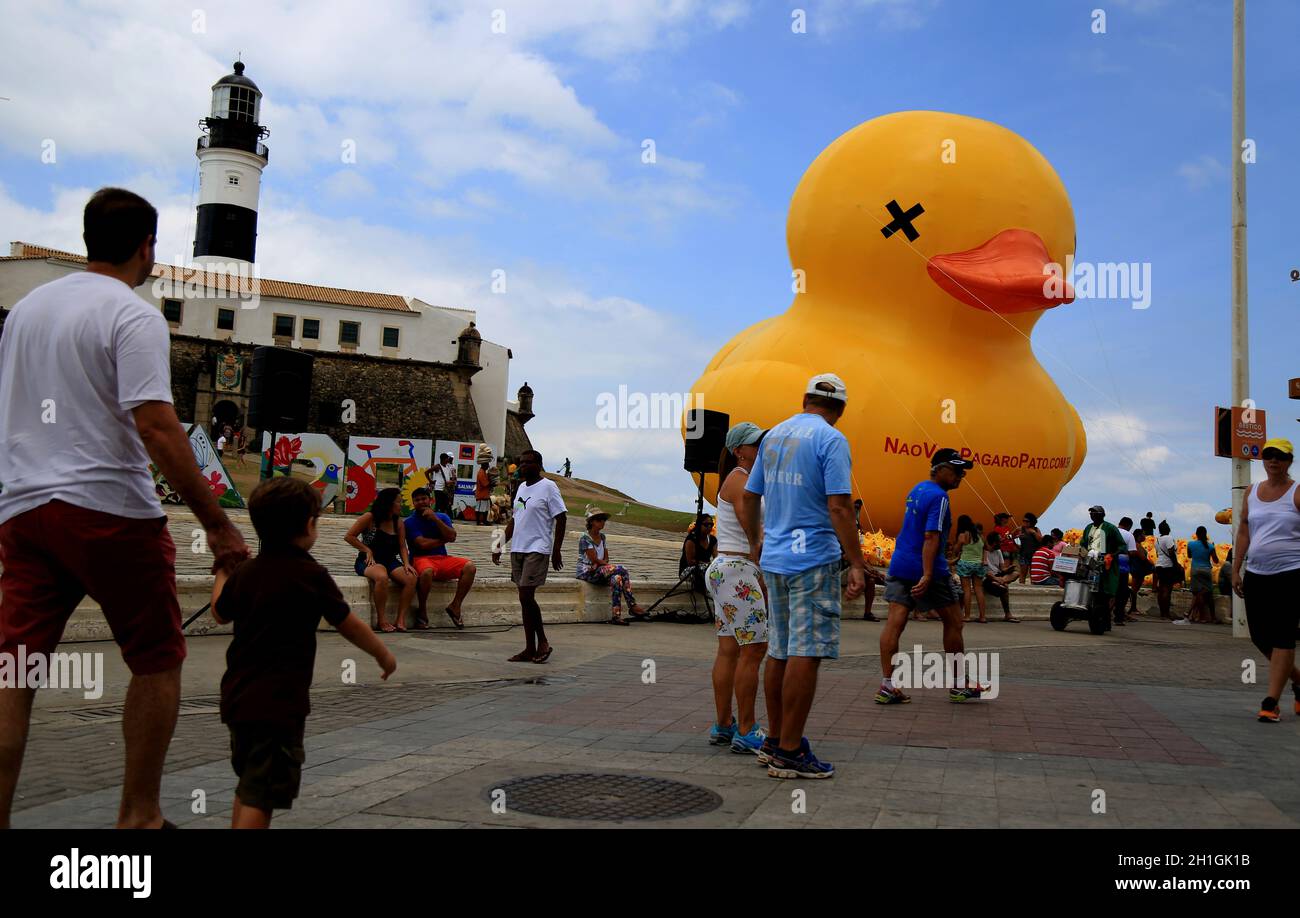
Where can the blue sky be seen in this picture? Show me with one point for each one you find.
(522, 151)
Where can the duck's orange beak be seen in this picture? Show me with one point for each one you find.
(1007, 274)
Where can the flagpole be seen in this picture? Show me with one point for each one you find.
(1240, 327)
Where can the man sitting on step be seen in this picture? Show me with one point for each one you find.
(427, 535)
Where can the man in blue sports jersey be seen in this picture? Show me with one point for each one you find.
(801, 488)
(918, 574)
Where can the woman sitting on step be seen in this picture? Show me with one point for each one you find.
(594, 567)
(380, 535)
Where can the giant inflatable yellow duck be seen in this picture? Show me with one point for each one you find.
(921, 244)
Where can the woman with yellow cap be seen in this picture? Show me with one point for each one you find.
(1268, 544)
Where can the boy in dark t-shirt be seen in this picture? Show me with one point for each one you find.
(276, 601)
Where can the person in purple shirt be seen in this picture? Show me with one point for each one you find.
(918, 574)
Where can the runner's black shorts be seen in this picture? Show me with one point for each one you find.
(1273, 609)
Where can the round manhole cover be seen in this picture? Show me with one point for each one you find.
(606, 797)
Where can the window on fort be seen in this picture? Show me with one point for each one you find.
(171, 310)
(284, 326)
(232, 179)
(391, 336)
(225, 319)
(311, 328)
(349, 333)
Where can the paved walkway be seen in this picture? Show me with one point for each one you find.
(1155, 717)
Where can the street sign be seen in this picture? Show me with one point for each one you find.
(1239, 433)
(1295, 388)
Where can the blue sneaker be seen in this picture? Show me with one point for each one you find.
(750, 743)
(722, 736)
(768, 749)
(803, 765)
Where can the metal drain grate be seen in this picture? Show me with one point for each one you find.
(112, 712)
(606, 797)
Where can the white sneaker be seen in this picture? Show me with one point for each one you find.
(1180, 621)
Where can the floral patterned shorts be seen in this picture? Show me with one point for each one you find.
(739, 607)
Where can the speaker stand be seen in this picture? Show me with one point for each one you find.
(690, 572)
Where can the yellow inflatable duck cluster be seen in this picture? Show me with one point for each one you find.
(921, 244)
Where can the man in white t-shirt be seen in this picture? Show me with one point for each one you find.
(85, 404)
(536, 534)
(1167, 569)
(442, 482)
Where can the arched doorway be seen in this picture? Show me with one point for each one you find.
(226, 414)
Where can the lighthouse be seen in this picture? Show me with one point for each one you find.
(231, 159)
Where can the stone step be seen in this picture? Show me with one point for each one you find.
(495, 601)
(490, 602)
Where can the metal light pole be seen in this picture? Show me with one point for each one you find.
(1240, 327)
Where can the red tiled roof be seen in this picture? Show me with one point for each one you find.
(287, 290)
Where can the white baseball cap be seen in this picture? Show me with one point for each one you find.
(827, 385)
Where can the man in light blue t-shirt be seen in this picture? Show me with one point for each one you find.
(801, 488)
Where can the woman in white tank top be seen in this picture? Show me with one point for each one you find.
(1268, 544)
(739, 602)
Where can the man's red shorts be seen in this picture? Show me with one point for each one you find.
(444, 567)
(57, 553)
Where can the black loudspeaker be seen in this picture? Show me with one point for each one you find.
(279, 389)
(706, 435)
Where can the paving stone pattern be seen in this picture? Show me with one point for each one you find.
(1166, 754)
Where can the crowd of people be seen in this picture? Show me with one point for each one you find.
(79, 516)
(786, 531)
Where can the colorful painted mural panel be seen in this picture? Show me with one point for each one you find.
(374, 463)
(315, 449)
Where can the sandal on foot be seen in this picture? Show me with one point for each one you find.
(385, 628)
(544, 655)
(455, 619)
(617, 621)
(522, 657)
(1016, 621)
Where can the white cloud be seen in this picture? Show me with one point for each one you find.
(348, 183)
(1202, 172)
(1152, 456)
(1119, 428)
(428, 86)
